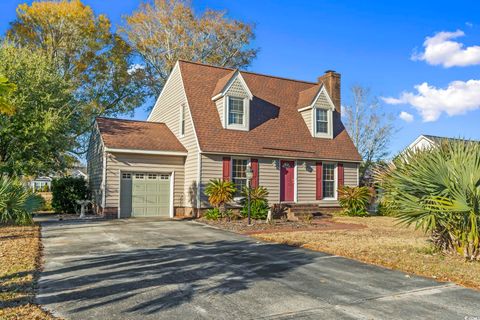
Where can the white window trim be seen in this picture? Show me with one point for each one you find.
(249, 164)
(329, 133)
(246, 114)
(335, 184)
(182, 120)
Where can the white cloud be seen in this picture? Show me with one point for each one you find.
(134, 68)
(405, 116)
(458, 98)
(442, 50)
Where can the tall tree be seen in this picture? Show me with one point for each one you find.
(36, 138)
(6, 89)
(370, 127)
(163, 31)
(94, 60)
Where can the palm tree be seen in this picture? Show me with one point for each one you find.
(6, 88)
(438, 190)
(16, 202)
(219, 193)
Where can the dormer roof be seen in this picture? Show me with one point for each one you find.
(224, 83)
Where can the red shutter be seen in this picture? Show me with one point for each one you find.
(254, 165)
(341, 175)
(319, 171)
(226, 169)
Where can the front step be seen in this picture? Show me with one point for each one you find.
(298, 211)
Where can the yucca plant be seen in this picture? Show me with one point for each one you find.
(438, 190)
(16, 202)
(219, 193)
(354, 200)
(258, 202)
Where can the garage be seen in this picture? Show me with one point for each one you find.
(145, 194)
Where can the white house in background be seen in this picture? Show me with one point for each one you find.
(426, 141)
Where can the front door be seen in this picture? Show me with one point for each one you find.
(287, 180)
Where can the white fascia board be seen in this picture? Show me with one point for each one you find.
(153, 152)
(279, 157)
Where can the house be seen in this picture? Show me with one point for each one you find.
(212, 122)
(41, 184)
(44, 183)
(425, 141)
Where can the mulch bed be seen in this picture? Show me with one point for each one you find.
(260, 226)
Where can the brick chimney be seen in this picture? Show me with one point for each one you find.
(331, 81)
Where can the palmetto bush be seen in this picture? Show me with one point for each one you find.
(258, 202)
(438, 190)
(354, 200)
(219, 193)
(16, 202)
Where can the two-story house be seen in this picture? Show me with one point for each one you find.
(212, 122)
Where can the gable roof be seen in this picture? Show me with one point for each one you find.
(276, 126)
(137, 135)
(307, 97)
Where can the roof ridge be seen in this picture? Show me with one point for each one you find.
(130, 120)
(245, 71)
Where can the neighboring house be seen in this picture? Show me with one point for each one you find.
(41, 184)
(211, 123)
(425, 141)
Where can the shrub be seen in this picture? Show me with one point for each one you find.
(354, 200)
(258, 203)
(212, 214)
(219, 193)
(17, 202)
(66, 191)
(438, 190)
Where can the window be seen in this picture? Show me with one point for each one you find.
(328, 180)
(152, 176)
(321, 116)
(182, 119)
(139, 176)
(239, 176)
(126, 176)
(164, 177)
(236, 111)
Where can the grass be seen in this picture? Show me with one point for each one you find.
(386, 244)
(20, 250)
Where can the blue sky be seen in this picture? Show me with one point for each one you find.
(370, 43)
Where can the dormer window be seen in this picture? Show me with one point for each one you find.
(321, 117)
(236, 111)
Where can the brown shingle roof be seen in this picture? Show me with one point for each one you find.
(138, 135)
(306, 97)
(276, 126)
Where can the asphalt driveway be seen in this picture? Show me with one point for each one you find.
(147, 269)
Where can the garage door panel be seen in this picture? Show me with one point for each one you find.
(150, 194)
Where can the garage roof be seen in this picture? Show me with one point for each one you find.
(137, 135)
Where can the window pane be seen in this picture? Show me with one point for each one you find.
(239, 177)
(322, 120)
(328, 180)
(235, 111)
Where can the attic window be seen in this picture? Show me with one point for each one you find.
(236, 111)
(321, 117)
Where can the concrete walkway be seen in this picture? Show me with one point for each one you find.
(147, 269)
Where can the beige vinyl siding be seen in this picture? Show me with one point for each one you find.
(128, 162)
(212, 168)
(168, 110)
(269, 177)
(307, 117)
(95, 166)
(220, 103)
(307, 181)
(322, 101)
(350, 171)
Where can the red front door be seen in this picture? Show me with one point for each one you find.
(287, 180)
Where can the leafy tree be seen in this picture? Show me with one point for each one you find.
(95, 61)
(6, 89)
(65, 193)
(438, 190)
(369, 126)
(163, 31)
(36, 138)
